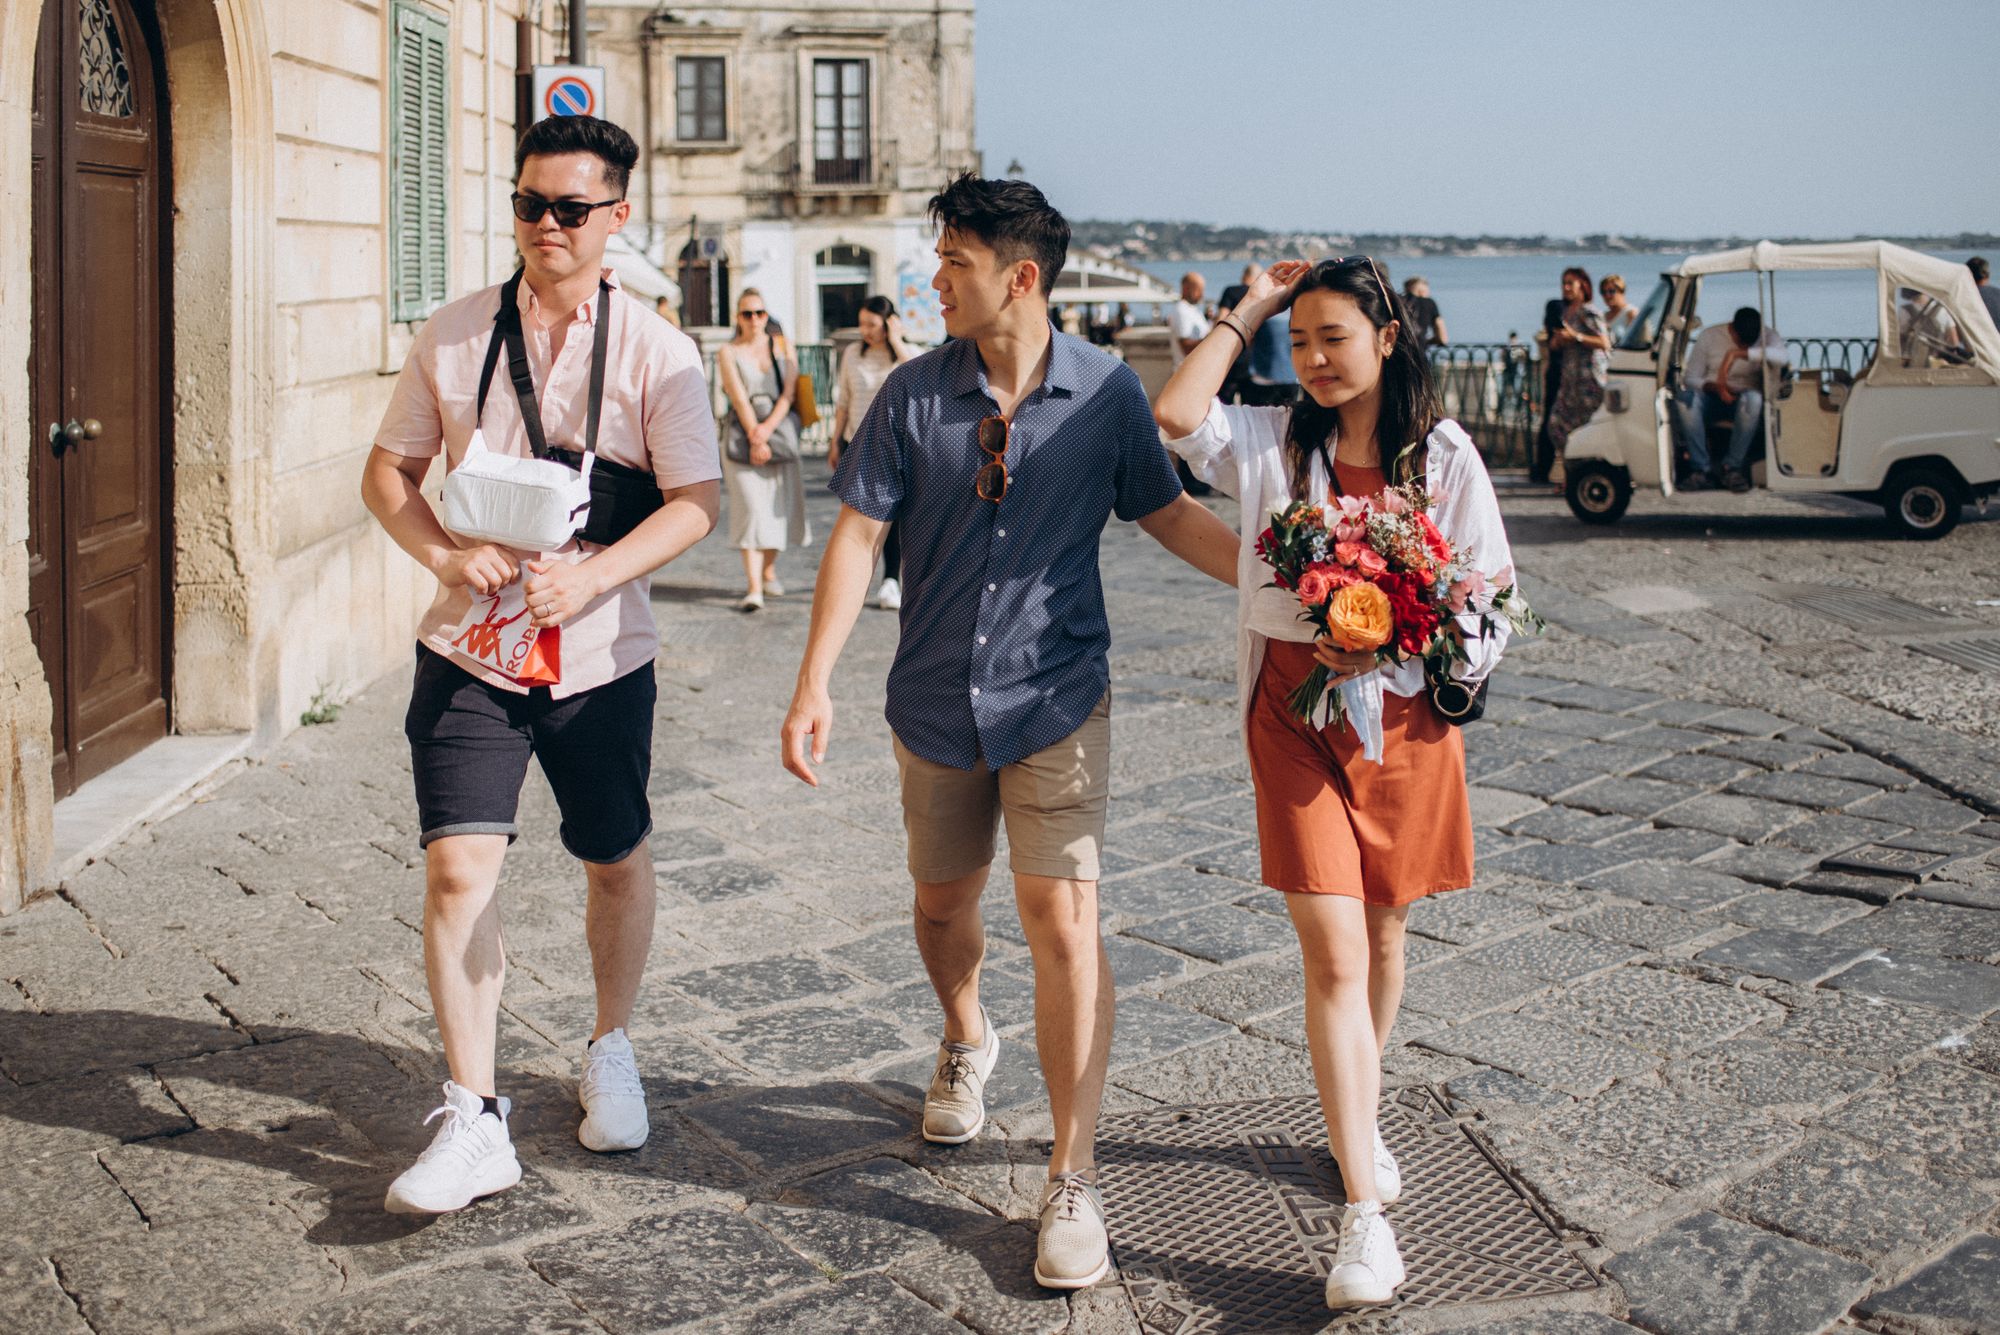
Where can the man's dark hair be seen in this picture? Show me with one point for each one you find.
(1981, 270)
(555, 135)
(1748, 324)
(1011, 216)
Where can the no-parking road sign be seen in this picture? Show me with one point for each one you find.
(569, 90)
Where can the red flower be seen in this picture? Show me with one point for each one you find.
(1416, 619)
(1440, 549)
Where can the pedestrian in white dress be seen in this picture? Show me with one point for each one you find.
(767, 501)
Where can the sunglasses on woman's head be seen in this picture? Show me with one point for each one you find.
(990, 483)
(1354, 261)
(569, 212)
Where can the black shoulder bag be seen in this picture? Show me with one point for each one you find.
(621, 497)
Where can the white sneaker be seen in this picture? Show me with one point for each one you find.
(1388, 1177)
(752, 602)
(613, 1099)
(955, 1104)
(1073, 1251)
(471, 1156)
(774, 586)
(1367, 1269)
(890, 596)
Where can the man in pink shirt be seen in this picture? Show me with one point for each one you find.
(477, 713)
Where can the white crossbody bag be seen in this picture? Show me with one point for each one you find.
(535, 504)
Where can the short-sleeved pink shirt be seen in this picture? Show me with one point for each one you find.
(656, 415)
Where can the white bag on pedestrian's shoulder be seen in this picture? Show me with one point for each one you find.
(531, 505)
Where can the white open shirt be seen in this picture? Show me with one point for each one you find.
(1241, 452)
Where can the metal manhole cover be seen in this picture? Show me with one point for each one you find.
(1223, 1217)
(1975, 653)
(1863, 609)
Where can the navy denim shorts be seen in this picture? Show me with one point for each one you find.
(470, 743)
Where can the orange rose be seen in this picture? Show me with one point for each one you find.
(1359, 618)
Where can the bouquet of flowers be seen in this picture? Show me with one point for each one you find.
(1375, 575)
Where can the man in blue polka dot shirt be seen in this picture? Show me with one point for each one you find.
(1002, 455)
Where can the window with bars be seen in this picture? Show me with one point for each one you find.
(840, 122)
(700, 102)
(419, 177)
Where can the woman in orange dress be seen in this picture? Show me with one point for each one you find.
(1358, 819)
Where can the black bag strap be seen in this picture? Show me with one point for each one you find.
(507, 330)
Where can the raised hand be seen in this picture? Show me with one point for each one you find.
(1273, 289)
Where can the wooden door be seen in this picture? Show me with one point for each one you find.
(98, 532)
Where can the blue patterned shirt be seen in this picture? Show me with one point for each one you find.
(1005, 643)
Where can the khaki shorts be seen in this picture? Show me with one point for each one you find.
(1053, 802)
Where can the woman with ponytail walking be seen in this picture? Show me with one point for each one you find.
(1352, 831)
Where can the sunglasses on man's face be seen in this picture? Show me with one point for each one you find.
(990, 483)
(569, 212)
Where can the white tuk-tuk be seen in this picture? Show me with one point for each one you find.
(1916, 429)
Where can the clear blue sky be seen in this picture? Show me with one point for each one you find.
(1698, 118)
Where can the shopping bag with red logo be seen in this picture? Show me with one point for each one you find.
(498, 633)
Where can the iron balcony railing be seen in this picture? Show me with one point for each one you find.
(789, 172)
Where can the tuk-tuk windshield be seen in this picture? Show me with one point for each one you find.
(1646, 327)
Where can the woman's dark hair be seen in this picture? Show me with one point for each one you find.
(1410, 403)
(1584, 274)
(1011, 216)
(554, 135)
(885, 308)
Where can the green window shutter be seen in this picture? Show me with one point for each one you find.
(419, 174)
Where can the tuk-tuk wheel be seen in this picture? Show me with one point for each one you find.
(1922, 501)
(1597, 492)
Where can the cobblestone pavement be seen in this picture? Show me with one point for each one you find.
(1758, 1091)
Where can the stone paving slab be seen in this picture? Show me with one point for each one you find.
(1708, 1274)
(1959, 1292)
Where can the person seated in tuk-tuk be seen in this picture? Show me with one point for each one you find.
(1723, 381)
(1927, 331)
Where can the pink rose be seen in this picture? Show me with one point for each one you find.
(1349, 532)
(1361, 556)
(1315, 585)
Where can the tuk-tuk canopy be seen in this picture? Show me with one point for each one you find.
(1948, 281)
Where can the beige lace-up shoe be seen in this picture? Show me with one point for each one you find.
(955, 1104)
(1073, 1251)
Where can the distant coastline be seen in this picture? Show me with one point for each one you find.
(1141, 240)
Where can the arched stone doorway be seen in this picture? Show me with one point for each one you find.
(211, 94)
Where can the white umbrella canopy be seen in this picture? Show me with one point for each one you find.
(1947, 281)
(637, 274)
(1090, 279)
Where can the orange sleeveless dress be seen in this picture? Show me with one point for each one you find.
(1330, 822)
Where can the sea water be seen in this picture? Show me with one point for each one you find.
(1485, 297)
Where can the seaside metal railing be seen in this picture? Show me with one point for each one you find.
(1494, 391)
(1831, 354)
